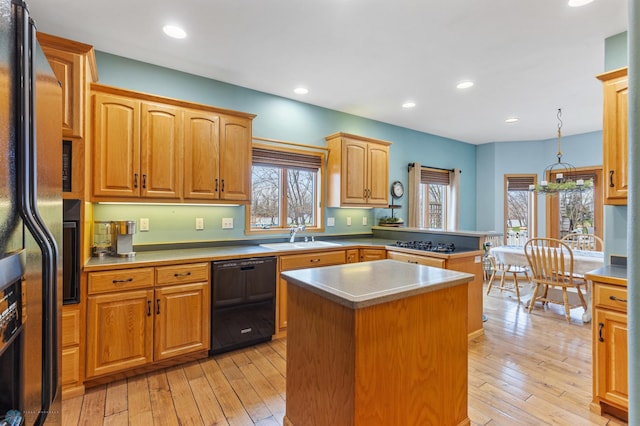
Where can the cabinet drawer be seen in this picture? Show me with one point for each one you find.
(70, 366)
(70, 327)
(412, 258)
(312, 260)
(179, 274)
(107, 281)
(610, 296)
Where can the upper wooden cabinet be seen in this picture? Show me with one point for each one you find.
(217, 157)
(614, 136)
(156, 148)
(358, 171)
(137, 148)
(73, 64)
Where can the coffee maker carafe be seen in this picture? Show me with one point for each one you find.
(122, 237)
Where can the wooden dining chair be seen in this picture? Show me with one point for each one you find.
(586, 242)
(502, 270)
(551, 264)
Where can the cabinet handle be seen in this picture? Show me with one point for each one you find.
(185, 274)
(157, 306)
(128, 280)
(600, 327)
(314, 260)
(412, 261)
(617, 299)
(216, 185)
(222, 186)
(611, 184)
(144, 181)
(135, 180)
(148, 308)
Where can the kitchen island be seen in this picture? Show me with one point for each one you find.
(377, 343)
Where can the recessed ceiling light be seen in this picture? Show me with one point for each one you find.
(464, 84)
(578, 3)
(301, 90)
(174, 32)
(512, 120)
(408, 105)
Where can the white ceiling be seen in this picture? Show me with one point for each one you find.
(367, 57)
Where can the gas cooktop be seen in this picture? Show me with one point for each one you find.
(427, 246)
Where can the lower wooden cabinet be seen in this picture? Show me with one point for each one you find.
(133, 328)
(367, 255)
(71, 377)
(417, 259)
(610, 351)
(300, 261)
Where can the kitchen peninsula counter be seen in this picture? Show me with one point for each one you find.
(381, 342)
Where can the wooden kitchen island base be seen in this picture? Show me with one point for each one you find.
(402, 362)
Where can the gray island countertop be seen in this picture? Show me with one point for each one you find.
(358, 285)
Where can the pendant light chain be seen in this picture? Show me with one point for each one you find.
(559, 115)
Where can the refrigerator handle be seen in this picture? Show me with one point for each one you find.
(28, 190)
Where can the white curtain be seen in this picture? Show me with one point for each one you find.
(454, 200)
(414, 196)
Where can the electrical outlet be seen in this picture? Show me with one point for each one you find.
(227, 223)
(349, 221)
(144, 224)
(199, 223)
(331, 221)
(364, 220)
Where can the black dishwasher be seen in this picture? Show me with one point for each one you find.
(243, 303)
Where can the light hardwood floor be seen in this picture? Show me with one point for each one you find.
(528, 369)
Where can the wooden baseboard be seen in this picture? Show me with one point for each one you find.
(477, 333)
(72, 392)
(96, 381)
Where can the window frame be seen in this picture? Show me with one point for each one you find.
(431, 176)
(533, 209)
(553, 205)
(319, 195)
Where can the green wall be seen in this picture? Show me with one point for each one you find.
(284, 119)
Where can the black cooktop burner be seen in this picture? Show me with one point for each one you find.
(427, 246)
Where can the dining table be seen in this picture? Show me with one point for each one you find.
(583, 262)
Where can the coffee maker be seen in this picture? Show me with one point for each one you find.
(122, 238)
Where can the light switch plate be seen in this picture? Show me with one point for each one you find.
(144, 224)
(364, 220)
(349, 221)
(331, 221)
(199, 223)
(227, 223)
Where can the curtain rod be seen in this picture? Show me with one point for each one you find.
(302, 145)
(411, 165)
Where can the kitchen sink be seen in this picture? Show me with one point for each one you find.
(300, 245)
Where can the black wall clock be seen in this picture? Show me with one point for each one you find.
(397, 190)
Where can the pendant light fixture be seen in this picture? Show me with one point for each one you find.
(562, 176)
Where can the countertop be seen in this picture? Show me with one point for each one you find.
(609, 274)
(358, 285)
(224, 252)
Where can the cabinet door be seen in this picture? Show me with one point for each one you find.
(352, 256)
(119, 331)
(235, 158)
(161, 142)
(282, 304)
(201, 155)
(353, 175)
(372, 254)
(615, 129)
(378, 175)
(181, 320)
(116, 165)
(610, 338)
(67, 68)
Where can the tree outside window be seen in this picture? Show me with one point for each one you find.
(285, 190)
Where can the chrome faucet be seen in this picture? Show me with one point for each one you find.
(294, 230)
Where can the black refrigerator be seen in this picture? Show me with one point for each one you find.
(30, 224)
